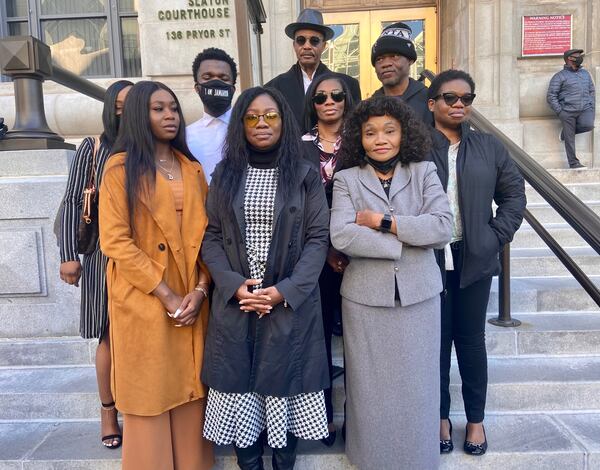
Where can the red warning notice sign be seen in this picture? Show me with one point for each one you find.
(546, 35)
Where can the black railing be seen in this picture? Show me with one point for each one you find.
(580, 217)
(28, 61)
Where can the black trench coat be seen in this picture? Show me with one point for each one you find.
(282, 354)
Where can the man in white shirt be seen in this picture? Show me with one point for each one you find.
(310, 38)
(215, 74)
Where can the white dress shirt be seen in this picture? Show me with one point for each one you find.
(306, 80)
(205, 138)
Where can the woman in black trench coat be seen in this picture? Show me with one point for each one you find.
(265, 246)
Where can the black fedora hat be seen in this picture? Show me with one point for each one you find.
(312, 19)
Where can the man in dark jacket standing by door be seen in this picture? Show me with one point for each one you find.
(572, 96)
(392, 55)
(310, 37)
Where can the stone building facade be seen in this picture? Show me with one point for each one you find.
(480, 36)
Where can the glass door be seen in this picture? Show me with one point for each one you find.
(356, 32)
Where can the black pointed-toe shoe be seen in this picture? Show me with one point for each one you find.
(446, 445)
(330, 439)
(476, 449)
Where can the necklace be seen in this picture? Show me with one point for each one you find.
(386, 183)
(330, 141)
(169, 172)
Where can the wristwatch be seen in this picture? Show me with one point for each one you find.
(386, 223)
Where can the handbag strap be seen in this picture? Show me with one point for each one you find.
(93, 169)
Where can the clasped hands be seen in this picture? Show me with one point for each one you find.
(260, 301)
(184, 311)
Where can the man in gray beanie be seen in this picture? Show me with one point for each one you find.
(392, 55)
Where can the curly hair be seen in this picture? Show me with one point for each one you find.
(448, 76)
(415, 141)
(214, 53)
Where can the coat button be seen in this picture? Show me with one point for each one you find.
(161, 246)
(396, 268)
(391, 209)
(228, 241)
(292, 209)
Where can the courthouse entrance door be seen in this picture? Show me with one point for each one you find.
(356, 31)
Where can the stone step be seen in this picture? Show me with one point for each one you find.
(547, 214)
(545, 294)
(550, 265)
(548, 334)
(540, 333)
(528, 385)
(41, 351)
(516, 442)
(589, 191)
(515, 384)
(527, 237)
(586, 175)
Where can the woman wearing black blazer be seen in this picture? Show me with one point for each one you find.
(265, 246)
(328, 101)
(475, 170)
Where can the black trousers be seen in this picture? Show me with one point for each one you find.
(331, 306)
(575, 123)
(463, 322)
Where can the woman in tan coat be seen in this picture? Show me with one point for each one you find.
(152, 221)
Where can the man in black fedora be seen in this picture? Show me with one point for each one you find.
(572, 96)
(392, 55)
(310, 37)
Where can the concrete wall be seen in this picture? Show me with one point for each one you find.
(33, 300)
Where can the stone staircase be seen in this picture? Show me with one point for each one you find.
(544, 377)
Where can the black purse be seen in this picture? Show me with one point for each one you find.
(88, 231)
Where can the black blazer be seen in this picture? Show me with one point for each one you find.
(282, 354)
(291, 86)
(485, 173)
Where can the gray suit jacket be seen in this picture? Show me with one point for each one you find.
(380, 261)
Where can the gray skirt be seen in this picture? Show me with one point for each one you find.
(392, 385)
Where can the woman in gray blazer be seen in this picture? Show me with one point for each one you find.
(389, 213)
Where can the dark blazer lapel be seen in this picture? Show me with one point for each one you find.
(238, 205)
(194, 220)
(161, 205)
(369, 180)
(401, 178)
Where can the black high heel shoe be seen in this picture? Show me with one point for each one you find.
(330, 439)
(446, 445)
(476, 449)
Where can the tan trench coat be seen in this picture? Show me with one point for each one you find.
(155, 366)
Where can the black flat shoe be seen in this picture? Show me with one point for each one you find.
(446, 445)
(330, 439)
(476, 449)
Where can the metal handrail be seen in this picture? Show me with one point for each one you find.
(28, 61)
(580, 217)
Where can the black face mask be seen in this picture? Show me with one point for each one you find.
(216, 95)
(577, 60)
(118, 121)
(383, 167)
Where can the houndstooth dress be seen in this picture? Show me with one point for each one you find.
(240, 418)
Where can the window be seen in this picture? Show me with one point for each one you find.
(92, 38)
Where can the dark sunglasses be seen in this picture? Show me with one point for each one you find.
(314, 40)
(251, 120)
(451, 98)
(321, 97)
